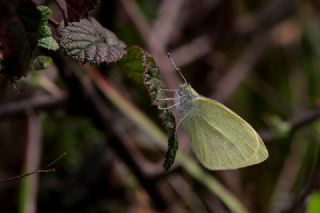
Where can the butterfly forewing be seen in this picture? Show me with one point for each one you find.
(220, 138)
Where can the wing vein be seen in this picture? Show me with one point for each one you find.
(228, 140)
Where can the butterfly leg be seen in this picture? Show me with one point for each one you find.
(179, 122)
(165, 99)
(169, 90)
(169, 107)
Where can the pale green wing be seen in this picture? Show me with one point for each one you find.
(220, 138)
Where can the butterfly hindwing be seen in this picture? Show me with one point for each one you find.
(220, 138)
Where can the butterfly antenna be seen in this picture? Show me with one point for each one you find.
(176, 68)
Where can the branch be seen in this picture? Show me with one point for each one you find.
(265, 18)
(157, 49)
(39, 102)
(43, 169)
(196, 49)
(306, 118)
(236, 74)
(168, 21)
(29, 186)
(296, 123)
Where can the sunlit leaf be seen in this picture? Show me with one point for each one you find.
(88, 41)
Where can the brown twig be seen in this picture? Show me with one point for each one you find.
(296, 123)
(43, 169)
(192, 51)
(168, 21)
(32, 161)
(265, 18)
(185, 191)
(157, 49)
(299, 200)
(39, 102)
(288, 174)
(53, 22)
(236, 74)
(63, 7)
(269, 94)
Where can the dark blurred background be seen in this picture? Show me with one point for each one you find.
(260, 58)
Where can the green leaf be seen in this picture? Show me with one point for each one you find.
(313, 205)
(45, 14)
(140, 66)
(156, 88)
(131, 64)
(46, 40)
(88, 41)
(41, 62)
(48, 43)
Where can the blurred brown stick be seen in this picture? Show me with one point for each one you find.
(157, 49)
(238, 71)
(39, 102)
(296, 123)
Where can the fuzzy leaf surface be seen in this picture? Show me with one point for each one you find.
(156, 88)
(88, 41)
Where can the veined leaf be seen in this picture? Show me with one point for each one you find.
(88, 41)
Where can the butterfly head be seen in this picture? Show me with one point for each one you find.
(184, 98)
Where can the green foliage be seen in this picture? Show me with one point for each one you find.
(88, 41)
(41, 62)
(313, 205)
(45, 14)
(156, 90)
(140, 67)
(131, 64)
(46, 40)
